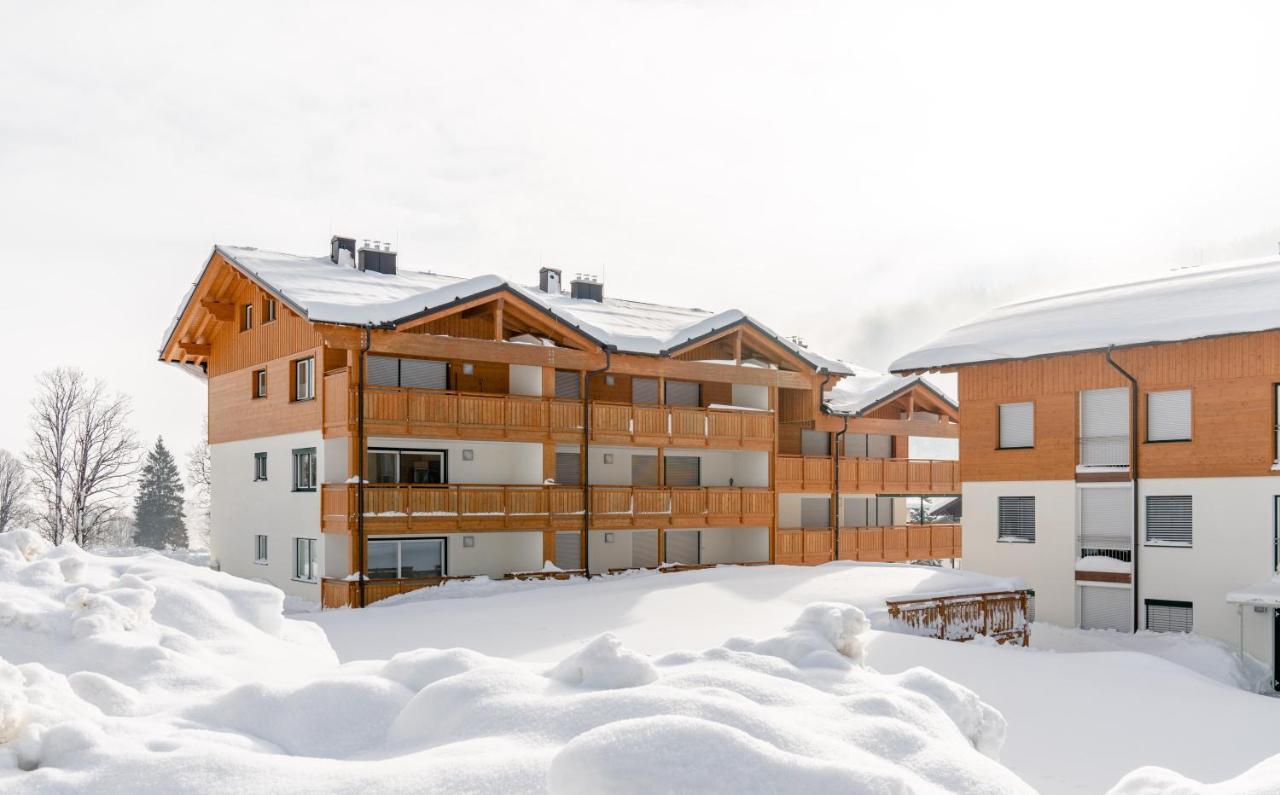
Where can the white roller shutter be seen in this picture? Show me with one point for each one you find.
(816, 443)
(1106, 518)
(382, 371)
(815, 512)
(644, 470)
(424, 374)
(1104, 427)
(684, 546)
(568, 550)
(1169, 520)
(568, 384)
(1169, 416)
(1106, 608)
(1017, 425)
(684, 393)
(644, 390)
(568, 469)
(1166, 616)
(644, 549)
(683, 470)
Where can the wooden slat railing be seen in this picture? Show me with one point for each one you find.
(879, 475)
(1001, 615)
(895, 544)
(346, 593)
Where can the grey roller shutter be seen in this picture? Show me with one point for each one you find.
(568, 469)
(644, 470)
(684, 393)
(1016, 519)
(1169, 416)
(683, 470)
(1106, 608)
(568, 384)
(1165, 616)
(644, 390)
(568, 550)
(855, 445)
(1017, 425)
(1169, 520)
(684, 546)
(884, 511)
(382, 371)
(856, 511)
(817, 443)
(1106, 518)
(1104, 427)
(644, 549)
(879, 446)
(424, 374)
(815, 512)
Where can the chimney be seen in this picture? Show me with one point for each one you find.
(337, 245)
(376, 256)
(549, 280)
(586, 286)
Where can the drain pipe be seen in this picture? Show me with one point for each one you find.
(366, 341)
(1133, 471)
(833, 513)
(838, 448)
(586, 459)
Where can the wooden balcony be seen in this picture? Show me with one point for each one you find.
(403, 411)
(413, 508)
(895, 544)
(869, 475)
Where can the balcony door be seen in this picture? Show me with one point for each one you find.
(406, 466)
(406, 558)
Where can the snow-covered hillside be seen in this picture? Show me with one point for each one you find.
(128, 674)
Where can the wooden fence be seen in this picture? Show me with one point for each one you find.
(1001, 615)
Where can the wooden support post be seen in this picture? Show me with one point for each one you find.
(662, 545)
(548, 546)
(497, 318)
(737, 347)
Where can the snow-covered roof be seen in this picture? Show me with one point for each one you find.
(1238, 299)
(325, 292)
(868, 388)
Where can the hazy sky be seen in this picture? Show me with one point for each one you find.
(861, 174)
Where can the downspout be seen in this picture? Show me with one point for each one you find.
(1133, 471)
(833, 513)
(839, 442)
(366, 341)
(586, 460)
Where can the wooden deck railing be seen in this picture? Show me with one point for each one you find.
(433, 412)
(879, 475)
(894, 544)
(1001, 615)
(408, 507)
(346, 593)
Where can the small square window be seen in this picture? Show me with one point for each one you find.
(259, 384)
(268, 310)
(246, 317)
(260, 548)
(259, 466)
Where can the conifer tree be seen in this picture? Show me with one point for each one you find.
(157, 509)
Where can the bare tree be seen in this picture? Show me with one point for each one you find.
(14, 489)
(83, 455)
(199, 469)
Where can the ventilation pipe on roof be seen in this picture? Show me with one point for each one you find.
(342, 250)
(376, 256)
(549, 280)
(586, 286)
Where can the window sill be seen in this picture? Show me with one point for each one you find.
(1024, 447)
(1165, 545)
(259, 480)
(305, 582)
(304, 491)
(1166, 441)
(303, 400)
(1015, 541)
(260, 563)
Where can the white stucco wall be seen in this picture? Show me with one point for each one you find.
(495, 553)
(718, 467)
(516, 463)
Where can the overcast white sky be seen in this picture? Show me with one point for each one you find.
(864, 175)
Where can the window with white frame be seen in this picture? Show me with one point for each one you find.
(1164, 615)
(246, 317)
(1169, 416)
(1169, 520)
(304, 379)
(406, 558)
(1017, 425)
(260, 548)
(269, 310)
(1016, 519)
(259, 384)
(259, 466)
(304, 469)
(304, 559)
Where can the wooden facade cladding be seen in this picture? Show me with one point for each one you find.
(869, 475)
(235, 414)
(896, 544)
(1232, 381)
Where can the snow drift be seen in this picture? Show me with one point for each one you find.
(132, 673)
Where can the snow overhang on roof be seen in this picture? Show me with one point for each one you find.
(325, 292)
(868, 389)
(1237, 299)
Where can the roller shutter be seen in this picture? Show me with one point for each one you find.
(856, 513)
(817, 443)
(568, 469)
(644, 470)
(1169, 416)
(568, 384)
(879, 446)
(1106, 518)
(568, 550)
(424, 374)
(1016, 519)
(1017, 425)
(684, 393)
(1169, 520)
(683, 470)
(684, 546)
(855, 445)
(1104, 427)
(644, 549)
(644, 390)
(382, 370)
(1105, 608)
(884, 511)
(1166, 616)
(815, 512)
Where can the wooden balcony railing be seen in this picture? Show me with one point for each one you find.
(401, 508)
(879, 475)
(1003, 616)
(895, 544)
(440, 413)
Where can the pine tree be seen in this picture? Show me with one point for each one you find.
(158, 507)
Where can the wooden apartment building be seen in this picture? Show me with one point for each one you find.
(368, 418)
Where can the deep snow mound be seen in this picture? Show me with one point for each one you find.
(123, 674)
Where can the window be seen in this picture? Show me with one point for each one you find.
(259, 466)
(683, 470)
(416, 373)
(268, 310)
(1169, 416)
(815, 443)
(684, 393)
(1017, 425)
(385, 465)
(246, 317)
(304, 379)
(568, 384)
(1106, 522)
(1169, 521)
(259, 384)
(1167, 616)
(1104, 427)
(259, 549)
(407, 558)
(568, 469)
(868, 445)
(868, 511)
(304, 469)
(1017, 519)
(815, 512)
(304, 559)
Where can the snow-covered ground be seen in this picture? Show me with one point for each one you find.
(137, 673)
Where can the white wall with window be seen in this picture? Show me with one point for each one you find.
(516, 463)
(614, 466)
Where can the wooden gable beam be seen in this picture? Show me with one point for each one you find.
(196, 348)
(513, 305)
(222, 310)
(933, 428)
